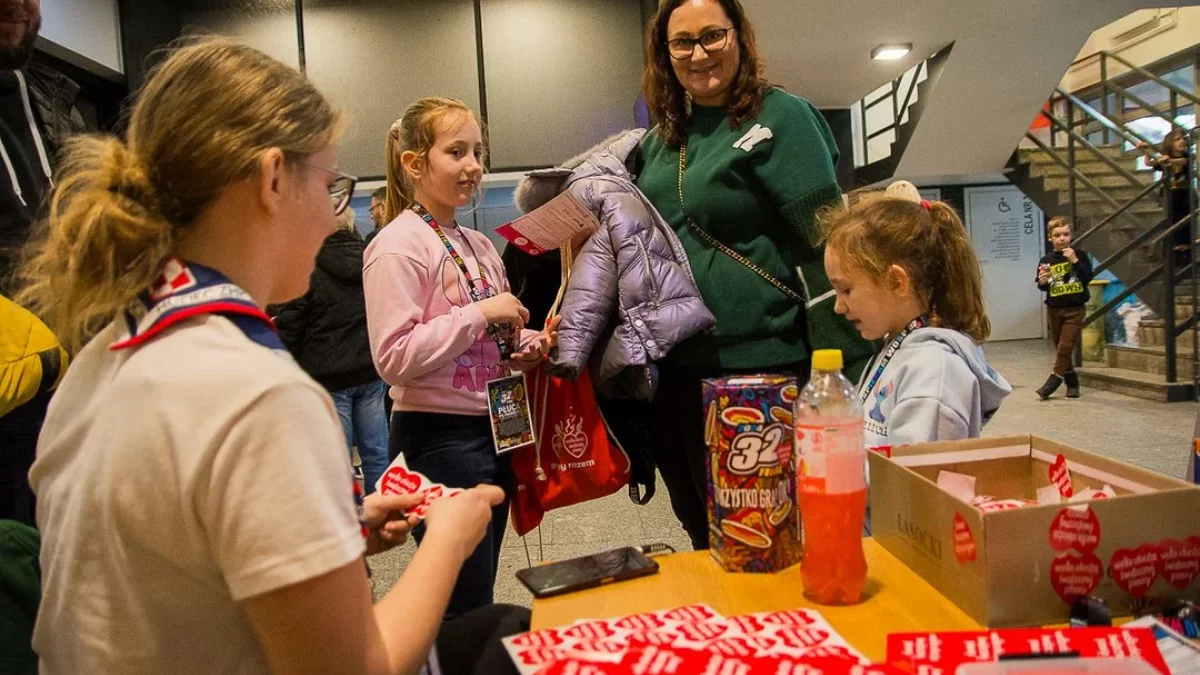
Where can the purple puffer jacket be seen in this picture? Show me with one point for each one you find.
(631, 297)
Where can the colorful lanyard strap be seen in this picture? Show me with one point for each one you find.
(477, 293)
(892, 348)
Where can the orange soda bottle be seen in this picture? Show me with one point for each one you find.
(832, 483)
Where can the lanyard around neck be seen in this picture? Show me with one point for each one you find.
(484, 289)
(892, 348)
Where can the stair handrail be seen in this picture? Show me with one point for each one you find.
(1153, 110)
(1102, 119)
(1151, 76)
(930, 66)
(1076, 173)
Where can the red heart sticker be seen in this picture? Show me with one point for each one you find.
(657, 638)
(589, 630)
(789, 617)
(1074, 576)
(640, 622)
(964, 540)
(434, 493)
(540, 656)
(1179, 561)
(698, 632)
(1060, 475)
(401, 481)
(831, 652)
(1075, 529)
(747, 624)
(690, 613)
(538, 638)
(598, 646)
(802, 638)
(734, 646)
(1135, 570)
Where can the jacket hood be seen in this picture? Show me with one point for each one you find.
(608, 158)
(993, 388)
(341, 256)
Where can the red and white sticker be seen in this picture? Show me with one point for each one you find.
(1075, 528)
(1074, 576)
(1060, 475)
(1135, 570)
(1179, 561)
(964, 541)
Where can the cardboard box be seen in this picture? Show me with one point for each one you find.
(1022, 567)
(753, 516)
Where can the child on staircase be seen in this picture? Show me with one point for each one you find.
(1063, 275)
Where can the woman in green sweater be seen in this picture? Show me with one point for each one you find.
(739, 168)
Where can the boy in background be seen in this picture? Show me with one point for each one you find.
(1063, 275)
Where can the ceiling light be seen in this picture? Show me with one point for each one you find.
(891, 52)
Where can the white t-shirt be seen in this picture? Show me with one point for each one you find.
(174, 480)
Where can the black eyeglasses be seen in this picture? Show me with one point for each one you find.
(710, 41)
(342, 189)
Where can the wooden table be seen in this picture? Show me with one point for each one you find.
(895, 598)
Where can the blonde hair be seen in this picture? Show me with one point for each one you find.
(202, 121)
(345, 220)
(416, 131)
(927, 239)
(1057, 222)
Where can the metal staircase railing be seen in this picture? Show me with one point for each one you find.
(1081, 115)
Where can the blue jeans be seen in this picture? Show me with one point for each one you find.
(458, 451)
(363, 413)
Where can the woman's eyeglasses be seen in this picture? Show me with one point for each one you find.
(710, 41)
(342, 189)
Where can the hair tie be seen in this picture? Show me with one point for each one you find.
(926, 205)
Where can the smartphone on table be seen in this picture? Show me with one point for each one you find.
(588, 571)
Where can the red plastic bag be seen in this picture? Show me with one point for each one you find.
(574, 459)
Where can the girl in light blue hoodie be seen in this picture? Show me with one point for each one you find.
(904, 272)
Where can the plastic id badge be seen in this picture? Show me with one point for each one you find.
(508, 408)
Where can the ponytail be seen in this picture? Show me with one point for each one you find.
(400, 189)
(956, 288)
(104, 241)
(927, 239)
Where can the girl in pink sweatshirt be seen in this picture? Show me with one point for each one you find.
(436, 298)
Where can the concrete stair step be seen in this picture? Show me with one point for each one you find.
(1151, 333)
(1136, 383)
(1039, 155)
(1151, 360)
(1089, 167)
(1121, 194)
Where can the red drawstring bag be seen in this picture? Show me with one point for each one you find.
(574, 459)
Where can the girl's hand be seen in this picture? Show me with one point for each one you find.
(504, 308)
(460, 521)
(533, 352)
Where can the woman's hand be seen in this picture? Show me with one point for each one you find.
(532, 354)
(386, 520)
(459, 522)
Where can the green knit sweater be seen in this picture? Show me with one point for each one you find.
(756, 189)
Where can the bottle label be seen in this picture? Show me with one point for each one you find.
(831, 458)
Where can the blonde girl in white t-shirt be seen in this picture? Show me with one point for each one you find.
(195, 496)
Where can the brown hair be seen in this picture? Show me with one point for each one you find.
(1167, 147)
(931, 245)
(202, 121)
(416, 131)
(1059, 221)
(666, 98)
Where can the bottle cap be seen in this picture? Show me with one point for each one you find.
(827, 359)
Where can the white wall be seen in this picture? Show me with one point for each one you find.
(1143, 37)
(90, 28)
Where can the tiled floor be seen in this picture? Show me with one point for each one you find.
(1153, 435)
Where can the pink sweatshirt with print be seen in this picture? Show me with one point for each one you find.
(428, 340)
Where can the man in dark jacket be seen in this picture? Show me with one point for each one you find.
(326, 330)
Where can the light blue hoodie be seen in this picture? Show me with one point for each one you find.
(937, 387)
